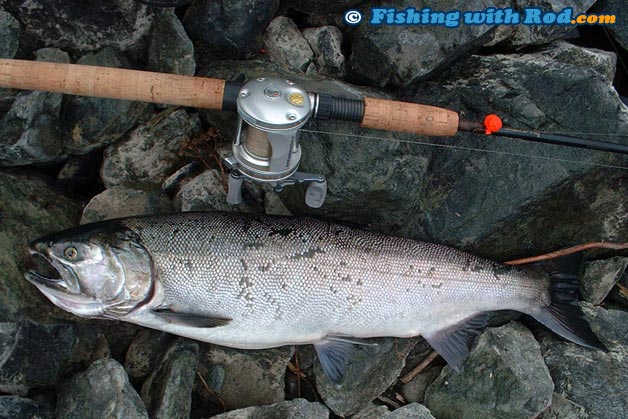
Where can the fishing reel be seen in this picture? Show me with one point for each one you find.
(266, 147)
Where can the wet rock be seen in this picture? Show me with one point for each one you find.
(122, 24)
(151, 152)
(30, 129)
(20, 407)
(120, 201)
(89, 122)
(373, 369)
(619, 9)
(501, 206)
(414, 391)
(326, 43)
(167, 392)
(170, 50)
(31, 208)
(144, 352)
(519, 36)
(504, 377)
(590, 378)
(410, 411)
(563, 408)
(251, 377)
(600, 276)
(294, 409)
(286, 45)
(102, 391)
(205, 192)
(272, 202)
(404, 54)
(9, 35)
(227, 29)
(34, 355)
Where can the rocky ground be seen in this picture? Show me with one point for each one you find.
(66, 160)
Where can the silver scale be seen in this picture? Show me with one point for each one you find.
(266, 148)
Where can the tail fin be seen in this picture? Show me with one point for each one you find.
(563, 316)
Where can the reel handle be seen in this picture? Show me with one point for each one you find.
(113, 83)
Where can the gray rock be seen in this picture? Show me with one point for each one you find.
(170, 50)
(410, 411)
(593, 379)
(81, 172)
(120, 201)
(504, 377)
(600, 276)
(563, 408)
(321, 7)
(228, 29)
(31, 208)
(151, 152)
(414, 391)
(488, 202)
(9, 35)
(619, 8)
(251, 377)
(294, 409)
(19, 407)
(205, 192)
(372, 411)
(604, 62)
(54, 55)
(89, 122)
(519, 36)
(143, 354)
(286, 46)
(34, 355)
(122, 24)
(102, 391)
(371, 372)
(167, 392)
(272, 202)
(326, 43)
(404, 54)
(30, 131)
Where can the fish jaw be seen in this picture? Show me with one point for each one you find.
(57, 293)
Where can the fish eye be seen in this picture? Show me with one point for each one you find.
(70, 253)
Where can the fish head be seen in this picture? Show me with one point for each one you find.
(104, 271)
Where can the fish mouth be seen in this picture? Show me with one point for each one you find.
(52, 286)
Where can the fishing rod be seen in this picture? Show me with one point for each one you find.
(271, 113)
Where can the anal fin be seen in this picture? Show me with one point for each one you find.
(335, 358)
(455, 342)
(190, 319)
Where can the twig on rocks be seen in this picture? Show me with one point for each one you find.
(417, 370)
(568, 251)
(212, 392)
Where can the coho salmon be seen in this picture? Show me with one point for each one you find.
(254, 282)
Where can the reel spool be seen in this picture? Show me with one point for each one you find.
(266, 148)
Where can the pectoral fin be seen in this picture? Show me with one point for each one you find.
(455, 342)
(335, 357)
(190, 319)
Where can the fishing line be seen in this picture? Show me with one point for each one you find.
(463, 148)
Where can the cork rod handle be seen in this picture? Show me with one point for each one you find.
(113, 83)
(391, 115)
